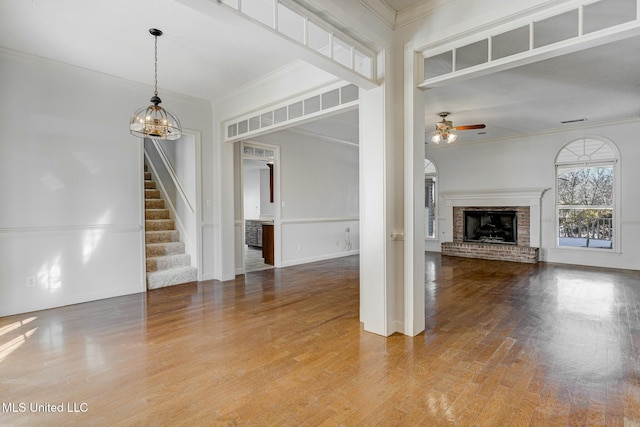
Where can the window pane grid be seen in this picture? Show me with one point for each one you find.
(570, 24)
(296, 23)
(591, 228)
(430, 198)
(585, 207)
(326, 101)
(585, 195)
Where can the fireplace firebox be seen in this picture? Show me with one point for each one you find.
(491, 227)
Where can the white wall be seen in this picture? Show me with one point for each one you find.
(319, 194)
(482, 166)
(528, 162)
(225, 224)
(184, 163)
(251, 193)
(267, 208)
(256, 189)
(71, 182)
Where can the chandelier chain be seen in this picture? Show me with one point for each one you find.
(155, 87)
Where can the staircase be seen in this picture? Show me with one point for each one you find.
(167, 262)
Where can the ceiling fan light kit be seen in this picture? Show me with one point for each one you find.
(447, 137)
(154, 121)
(446, 132)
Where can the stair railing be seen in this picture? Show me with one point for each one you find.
(173, 175)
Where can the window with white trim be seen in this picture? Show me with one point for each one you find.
(585, 190)
(430, 198)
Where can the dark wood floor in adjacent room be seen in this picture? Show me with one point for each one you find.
(506, 344)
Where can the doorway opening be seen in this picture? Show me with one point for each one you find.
(260, 213)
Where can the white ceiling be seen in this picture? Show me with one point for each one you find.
(599, 84)
(200, 54)
(341, 127)
(211, 54)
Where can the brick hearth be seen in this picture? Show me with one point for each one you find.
(491, 251)
(521, 252)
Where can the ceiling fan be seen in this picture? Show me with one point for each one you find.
(446, 132)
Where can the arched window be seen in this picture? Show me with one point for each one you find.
(585, 194)
(430, 199)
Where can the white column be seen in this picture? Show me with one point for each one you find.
(392, 203)
(224, 207)
(377, 293)
(414, 315)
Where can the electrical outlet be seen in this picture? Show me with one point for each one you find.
(31, 282)
(299, 246)
(337, 242)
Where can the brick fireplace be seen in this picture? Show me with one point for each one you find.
(524, 202)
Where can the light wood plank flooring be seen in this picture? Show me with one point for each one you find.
(506, 344)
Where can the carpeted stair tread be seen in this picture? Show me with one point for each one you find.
(165, 248)
(149, 185)
(154, 204)
(156, 214)
(166, 262)
(161, 236)
(174, 276)
(159, 224)
(151, 194)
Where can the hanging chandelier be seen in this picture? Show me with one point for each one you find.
(154, 121)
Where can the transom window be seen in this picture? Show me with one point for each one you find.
(585, 202)
(430, 198)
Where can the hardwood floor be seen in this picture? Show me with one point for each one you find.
(506, 344)
(253, 260)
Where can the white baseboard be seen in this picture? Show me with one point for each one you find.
(319, 258)
(133, 288)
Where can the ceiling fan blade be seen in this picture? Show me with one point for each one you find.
(470, 127)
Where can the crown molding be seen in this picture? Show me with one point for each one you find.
(405, 16)
(419, 11)
(382, 10)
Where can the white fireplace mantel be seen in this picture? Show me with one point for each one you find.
(503, 197)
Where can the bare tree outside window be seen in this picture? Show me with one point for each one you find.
(585, 198)
(586, 186)
(585, 202)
